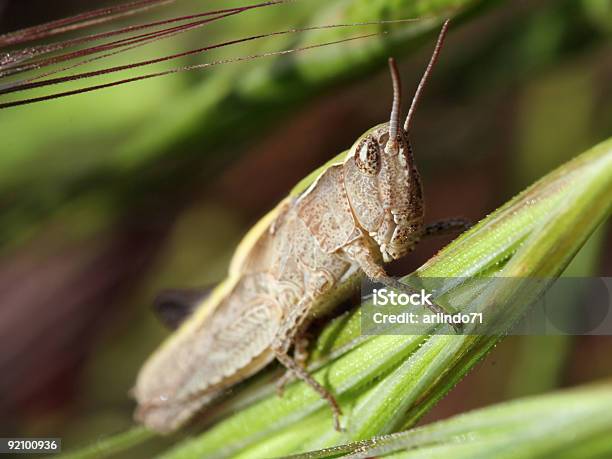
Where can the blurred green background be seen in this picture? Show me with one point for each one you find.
(107, 198)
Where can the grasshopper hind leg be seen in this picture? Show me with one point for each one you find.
(295, 366)
(301, 373)
(174, 306)
(300, 356)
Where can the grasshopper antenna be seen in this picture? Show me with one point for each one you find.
(394, 119)
(425, 77)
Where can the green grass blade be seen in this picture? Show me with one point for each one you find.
(106, 447)
(523, 428)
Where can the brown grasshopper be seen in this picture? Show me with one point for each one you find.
(298, 262)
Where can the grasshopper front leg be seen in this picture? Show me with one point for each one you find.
(447, 226)
(362, 253)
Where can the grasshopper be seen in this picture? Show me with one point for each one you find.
(302, 259)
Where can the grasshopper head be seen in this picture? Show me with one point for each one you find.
(381, 179)
(383, 184)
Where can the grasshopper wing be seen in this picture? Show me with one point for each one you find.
(229, 335)
(227, 340)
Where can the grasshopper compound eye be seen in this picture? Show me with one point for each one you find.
(367, 156)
